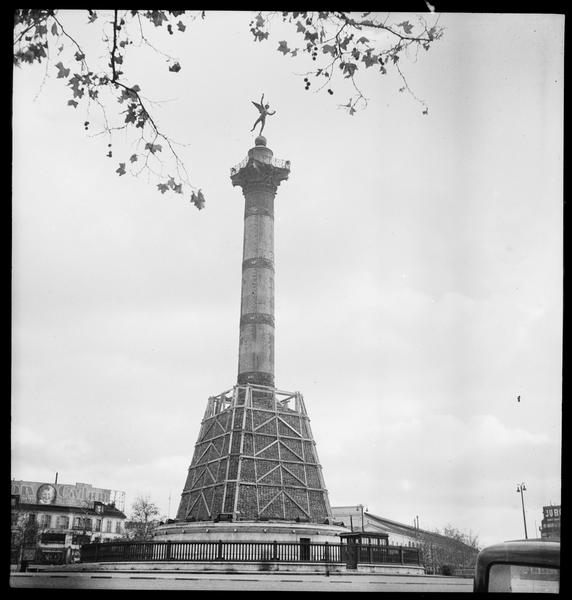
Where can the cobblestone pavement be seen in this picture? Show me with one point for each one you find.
(250, 581)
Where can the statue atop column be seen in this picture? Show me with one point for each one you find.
(264, 112)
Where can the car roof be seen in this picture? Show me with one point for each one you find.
(523, 552)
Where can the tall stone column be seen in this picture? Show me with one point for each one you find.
(255, 457)
(259, 176)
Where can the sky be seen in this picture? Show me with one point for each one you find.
(418, 272)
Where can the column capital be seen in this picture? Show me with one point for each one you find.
(260, 169)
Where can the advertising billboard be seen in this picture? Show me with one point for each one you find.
(66, 494)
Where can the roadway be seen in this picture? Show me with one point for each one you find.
(247, 582)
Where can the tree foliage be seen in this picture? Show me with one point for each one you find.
(25, 533)
(344, 44)
(341, 44)
(143, 516)
(469, 539)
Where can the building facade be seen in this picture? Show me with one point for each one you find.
(550, 524)
(49, 531)
(440, 554)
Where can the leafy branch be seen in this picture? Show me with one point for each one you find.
(32, 38)
(339, 36)
(335, 41)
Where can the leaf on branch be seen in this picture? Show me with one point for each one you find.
(175, 67)
(181, 26)
(259, 20)
(331, 49)
(294, 52)
(131, 114)
(300, 27)
(349, 106)
(60, 49)
(92, 16)
(75, 82)
(121, 169)
(54, 29)
(153, 147)
(198, 200)
(62, 71)
(79, 56)
(259, 35)
(283, 47)
(157, 17)
(349, 69)
(407, 27)
(118, 59)
(346, 41)
(178, 188)
(129, 94)
(72, 103)
(311, 36)
(133, 158)
(370, 59)
(163, 187)
(362, 40)
(356, 53)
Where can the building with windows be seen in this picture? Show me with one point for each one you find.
(46, 530)
(550, 524)
(440, 554)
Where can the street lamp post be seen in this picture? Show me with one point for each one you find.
(521, 488)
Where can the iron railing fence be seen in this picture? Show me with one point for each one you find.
(246, 552)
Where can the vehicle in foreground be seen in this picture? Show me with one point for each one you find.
(519, 566)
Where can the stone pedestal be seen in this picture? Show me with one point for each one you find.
(269, 531)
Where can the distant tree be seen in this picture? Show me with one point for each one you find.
(341, 44)
(25, 534)
(469, 539)
(143, 518)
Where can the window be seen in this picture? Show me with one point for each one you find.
(118, 527)
(97, 524)
(88, 524)
(45, 520)
(63, 522)
(78, 523)
(108, 526)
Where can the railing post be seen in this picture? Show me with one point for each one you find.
(96, 548)
(219, 556)
(401, 555)
(327, 552)
(274, 550)
(168, 553)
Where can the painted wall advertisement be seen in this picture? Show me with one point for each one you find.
(38, 492)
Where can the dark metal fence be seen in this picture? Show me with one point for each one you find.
(245, 552)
